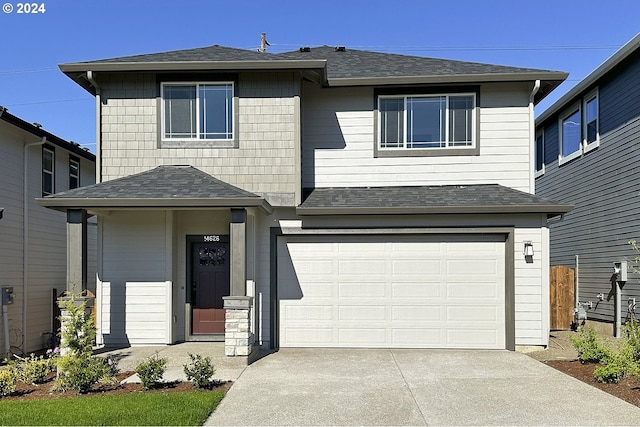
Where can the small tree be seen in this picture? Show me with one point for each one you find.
(78, 328)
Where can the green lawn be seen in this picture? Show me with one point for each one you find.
(177, 408)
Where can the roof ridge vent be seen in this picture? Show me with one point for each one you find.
(340, 49)
(305, 49)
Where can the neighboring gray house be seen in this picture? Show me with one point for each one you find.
(350, 198)
(588, 155)
(33, 256)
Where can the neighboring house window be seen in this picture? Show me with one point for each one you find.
(197, 111)
(539, 153)
(591, 121)
(426, 121)
(74, 172)
(48, 172)
(570, 134)
(579, 128)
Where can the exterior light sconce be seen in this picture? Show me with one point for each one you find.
(528, 249)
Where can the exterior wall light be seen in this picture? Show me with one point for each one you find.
(528, 249)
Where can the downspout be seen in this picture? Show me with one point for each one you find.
(25, 237)
(91, 79)
(532, 138)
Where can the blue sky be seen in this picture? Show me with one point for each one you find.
(571, 35)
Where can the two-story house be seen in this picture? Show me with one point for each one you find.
(587, 154)
(33, 256)
(359, 199)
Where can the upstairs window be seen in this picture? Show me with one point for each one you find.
(579, 128)
(591, 129)
(74, 173)
(426, 121)
(48, 172)
(539, 153)
(197, 111)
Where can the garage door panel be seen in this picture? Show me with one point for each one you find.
(409, 292)
(408, 337)
(369, 337)
(479, 290)
(416, 290)
(416, 267)
(361, 266)
(416, 313)
(359, 288)
(308, 312)
(467, 313)
(362, 313)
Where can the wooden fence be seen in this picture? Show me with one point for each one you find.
(562, 295)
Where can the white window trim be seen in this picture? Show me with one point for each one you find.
(538, 173)
(562, 159)
(449, 145)
(595, 144)
(197, 84)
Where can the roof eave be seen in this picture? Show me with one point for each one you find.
(63, 203)
(193, 65)
(551, 209)
(592, 78)
(547, 76)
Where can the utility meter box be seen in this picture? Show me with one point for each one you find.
(620, 268)
(7, 295)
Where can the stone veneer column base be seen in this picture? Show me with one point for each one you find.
(238, 338)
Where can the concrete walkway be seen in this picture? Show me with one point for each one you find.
(413, 387)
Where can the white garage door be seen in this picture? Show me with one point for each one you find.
(392, 291)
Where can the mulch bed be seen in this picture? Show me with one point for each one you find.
(628, 389)
(43, 391)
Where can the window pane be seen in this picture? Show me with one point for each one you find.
(216, 111)
(391, 122)
(571, 134)
(47, 160)
(47, 183)
(426, 122)
(460, 120)
(74, 174)
(539, 152)
(592, 120)
(179, 111)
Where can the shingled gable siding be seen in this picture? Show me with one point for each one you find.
(265, 161)
(338, 143)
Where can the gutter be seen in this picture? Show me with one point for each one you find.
(25, 237)
(532, 138)
(91, 79)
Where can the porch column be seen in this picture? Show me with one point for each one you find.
(238, 237)
(76, 250)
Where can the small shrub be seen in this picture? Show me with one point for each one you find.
(617, 365)
(35, 369)
(78, 328)
(8, 379)
(589, 348)
(631, 331)
(80, 373)
(151, 370)
(200, 371)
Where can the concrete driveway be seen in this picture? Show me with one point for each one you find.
(413, 387)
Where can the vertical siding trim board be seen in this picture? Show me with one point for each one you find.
(508, 232)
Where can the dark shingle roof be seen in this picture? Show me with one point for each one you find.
(162, 186)
(484, 198)
(329, 66)
(352, 63)
(209, 53)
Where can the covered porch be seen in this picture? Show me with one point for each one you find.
(172, 257)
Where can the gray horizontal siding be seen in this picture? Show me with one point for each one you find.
(604, 218)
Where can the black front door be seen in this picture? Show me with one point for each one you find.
(210, 282)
